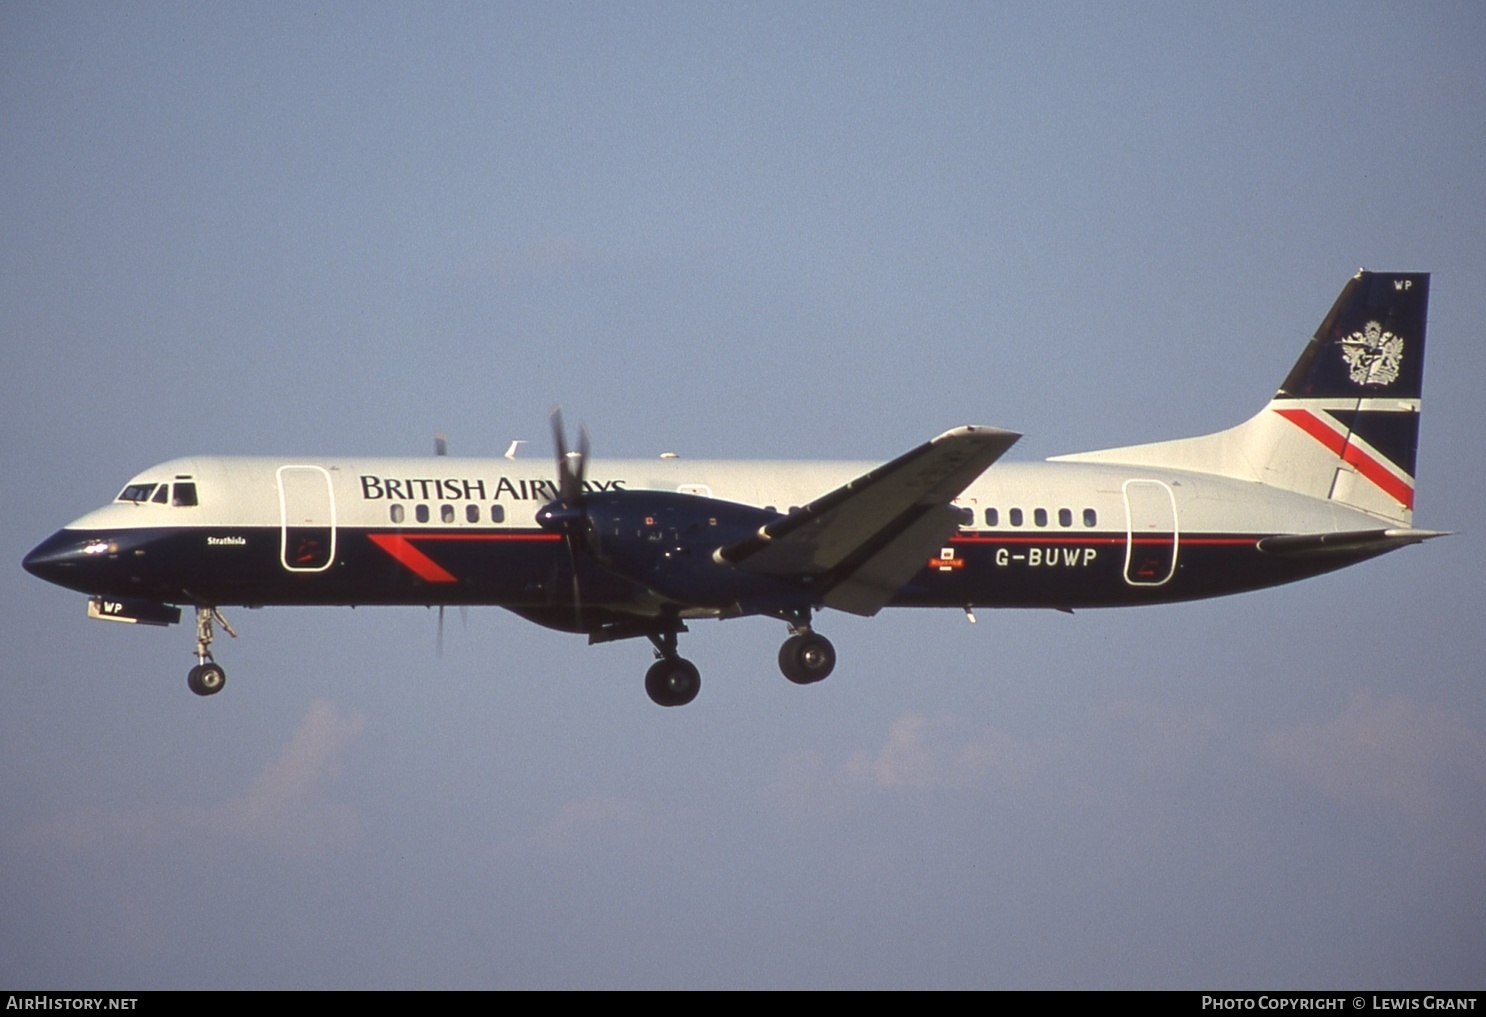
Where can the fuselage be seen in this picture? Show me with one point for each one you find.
(327, 531)
(1321, 477)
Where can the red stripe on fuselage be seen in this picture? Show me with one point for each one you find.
(1053, 538)
(1366, 465)
(400, 547)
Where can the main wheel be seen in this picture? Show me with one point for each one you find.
(807, 658)
(206, 679)
(673, 681)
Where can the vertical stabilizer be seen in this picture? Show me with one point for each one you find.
(1345, 424)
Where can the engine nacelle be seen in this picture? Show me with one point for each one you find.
(665, 540)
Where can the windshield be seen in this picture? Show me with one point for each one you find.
(137, 492)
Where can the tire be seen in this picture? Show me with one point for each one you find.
(673, 681)
(206, 679)
(807, 658)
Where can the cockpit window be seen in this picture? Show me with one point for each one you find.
(161, 494)
(136, 492)
(185, 495)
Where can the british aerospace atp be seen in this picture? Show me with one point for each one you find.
(1320, 478)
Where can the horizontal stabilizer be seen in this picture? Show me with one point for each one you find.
(1351, 542)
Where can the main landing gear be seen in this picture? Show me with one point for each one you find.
(672, 680)
(207, 677)
(805, 658)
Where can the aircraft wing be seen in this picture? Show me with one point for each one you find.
(861, 542)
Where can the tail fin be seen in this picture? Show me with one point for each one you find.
(1344, 425)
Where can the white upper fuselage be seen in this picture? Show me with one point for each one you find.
(247, 491)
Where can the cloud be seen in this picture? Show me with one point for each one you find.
(921, 754)
(1121, 749)
(1393, 752)
(946, 753)
(595, 817)
(284, 808)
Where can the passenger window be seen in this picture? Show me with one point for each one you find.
(421, 513)
(993, 518)
(1091, 518)
(185, 495)
(472, 513)
(161, 495)
(497, 513)
(1065, 517)
(1039, 516)
(1016, 517)
(446, 513)
(967, 516)
(397, 513)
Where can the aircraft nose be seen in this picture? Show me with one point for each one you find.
(62, 558)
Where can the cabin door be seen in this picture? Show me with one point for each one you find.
(307, 515)
(1151, 533)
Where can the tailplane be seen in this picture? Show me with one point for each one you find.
(1344, 425)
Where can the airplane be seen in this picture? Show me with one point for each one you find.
(1322, 477)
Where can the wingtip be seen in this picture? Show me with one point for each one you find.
(980, 431)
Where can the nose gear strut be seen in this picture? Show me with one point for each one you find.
(207, 677)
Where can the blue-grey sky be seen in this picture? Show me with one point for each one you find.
(761, 230)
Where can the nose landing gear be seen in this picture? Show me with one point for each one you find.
(208, 677)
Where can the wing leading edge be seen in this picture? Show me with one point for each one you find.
(861, 542)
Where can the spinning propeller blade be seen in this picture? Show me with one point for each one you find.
(568, 513)
(571, 466)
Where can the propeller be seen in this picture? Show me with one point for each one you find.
(441, 448)
(571, 466)
(568, 515)
(464, 624)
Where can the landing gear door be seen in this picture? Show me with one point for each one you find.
(1151, 533)
(307, 512)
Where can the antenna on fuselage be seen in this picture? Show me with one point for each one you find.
(440, 444)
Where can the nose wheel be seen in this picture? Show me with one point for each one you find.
(208, 677)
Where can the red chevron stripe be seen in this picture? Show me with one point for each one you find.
(1371, 468)
(422, 565)
(400, 547)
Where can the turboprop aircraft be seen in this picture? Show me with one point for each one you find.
(1320, 478)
